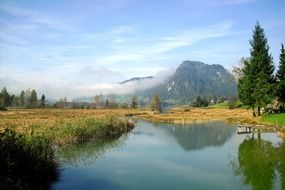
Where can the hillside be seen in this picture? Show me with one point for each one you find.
(192, 79)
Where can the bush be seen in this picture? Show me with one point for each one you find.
(200, 102)
(232, 102)
(3, 109)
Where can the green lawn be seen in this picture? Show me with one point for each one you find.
(276, 119)
(225, 104)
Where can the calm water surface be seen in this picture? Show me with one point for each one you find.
(197, 156)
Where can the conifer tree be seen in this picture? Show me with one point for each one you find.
(34, 99)
(22, 99)
(280, 75)
(5, 96)
(257, 83)
(43, 101)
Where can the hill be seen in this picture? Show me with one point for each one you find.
(192, 79)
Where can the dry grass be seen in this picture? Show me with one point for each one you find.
(41, 119)
(23, 119)
(181, 115)
(67, 125)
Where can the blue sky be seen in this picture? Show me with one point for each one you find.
(74, 48)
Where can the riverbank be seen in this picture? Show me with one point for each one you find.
(28, 139)
(199, 115)
(64, 126)
(57, 123)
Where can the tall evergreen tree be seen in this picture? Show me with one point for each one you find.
(6, 98)
(43, 101)
(22, 99)
(34, 99)
(257, 83)
(280, 75)
(246, 85)
(107, 104)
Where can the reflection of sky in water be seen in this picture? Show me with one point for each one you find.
(164, 157)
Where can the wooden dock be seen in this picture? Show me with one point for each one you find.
(244, 129)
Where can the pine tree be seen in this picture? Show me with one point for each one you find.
(257, 83)
(34, 99)
(246, 85)
(280, 75)
(5, 96)
(22, 99)
(43, 101)
(107, 104)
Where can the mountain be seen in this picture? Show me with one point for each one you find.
(192, 79)
(136, 79)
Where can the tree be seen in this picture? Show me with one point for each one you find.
(28, 94)
(22, 99)
(200, 102)
(5, 96)
(134, 103)
(34, 99)
(155, 104)
(280, 75)
(259, 172)
(61, 103)
(246, 85)
(232, 102)
(1, 100)
(257, 80)
(43, 101)
(14, 100)
(107, 104)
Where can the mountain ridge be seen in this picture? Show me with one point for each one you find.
(192, 79)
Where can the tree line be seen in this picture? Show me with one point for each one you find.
(26, 99)
(29, 99)
(258, 86)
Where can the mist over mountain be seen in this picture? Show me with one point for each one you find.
(135, 79)
(192, 79)
(180, 86)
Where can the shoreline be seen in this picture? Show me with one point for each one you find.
(23, 120)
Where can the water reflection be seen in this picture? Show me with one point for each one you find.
(260, 162)
(202, 135)
(79, 154)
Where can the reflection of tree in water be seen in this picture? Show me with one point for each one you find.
(258, 163)
(86, 153)
(198, 136)
(281, 163)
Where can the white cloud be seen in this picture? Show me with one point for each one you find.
(54, 84)
(162, 45)
(61, 63)
(84, 75)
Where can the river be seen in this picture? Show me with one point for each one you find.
(164, 156)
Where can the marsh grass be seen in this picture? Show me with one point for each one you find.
(26, 161)
(28, 142)
(88, 128)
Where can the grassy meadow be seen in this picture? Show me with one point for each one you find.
(275, 119)
(71, 125)
(67, 125)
